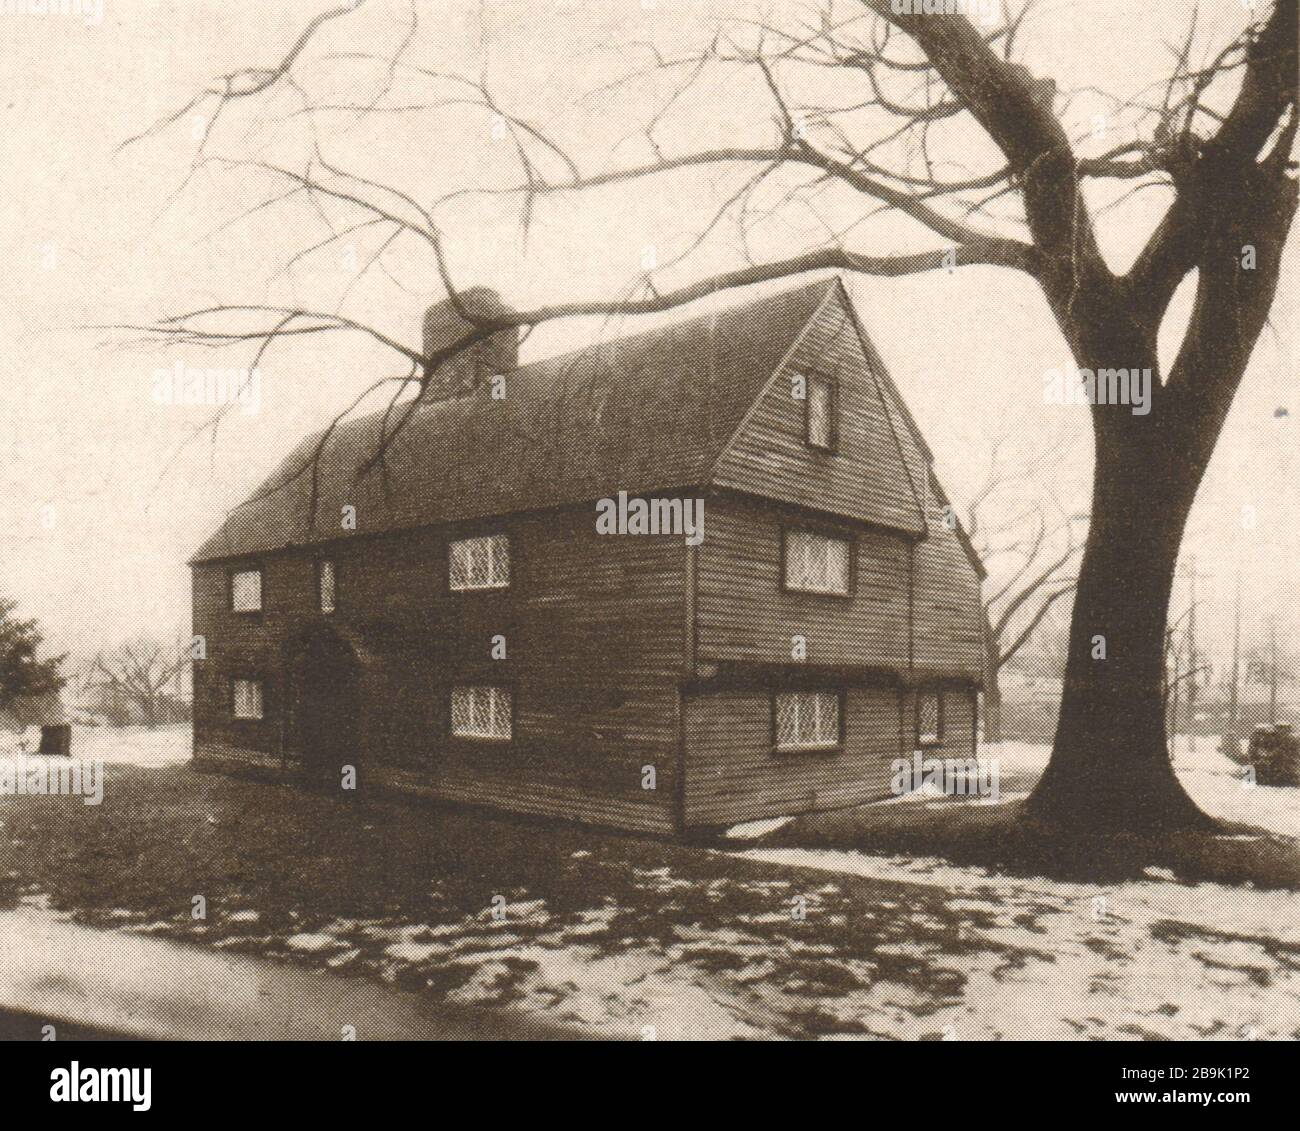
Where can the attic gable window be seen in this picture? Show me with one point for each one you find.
(246, 591)
(817, 563)
(480, 563)
(807, 720)
(482, 712)
(820, 413)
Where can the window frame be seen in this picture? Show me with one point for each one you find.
(253, 678)
(491, 588)
(333, 564)
(833, 385)
(234, 571)
(829, 532)
(937, 739)
(841, 697)
(492, 739)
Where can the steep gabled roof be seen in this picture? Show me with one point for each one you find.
(652, 411)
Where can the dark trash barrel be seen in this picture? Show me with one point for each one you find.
(57, 740)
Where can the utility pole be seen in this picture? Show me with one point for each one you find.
(1176, 651)
(1192, 575)
(1231, 740)
(178, 675)
(1191, 659)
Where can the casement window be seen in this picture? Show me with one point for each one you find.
(482, 712)
(929, 717)
(480, 563)
(326, 585)
(820, 409)
(246, 591)
(807, 720)
(817, 563)
(246, 696)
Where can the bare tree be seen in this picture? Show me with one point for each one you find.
(139, 672)
(1271, 662)
(1182, 669)
(1030, 544)
(929, 118)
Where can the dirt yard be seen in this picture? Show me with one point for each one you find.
(616, 934)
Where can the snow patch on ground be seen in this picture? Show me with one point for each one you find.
(752, 830)
(130, 746)
(627, 938)
(1214, 781)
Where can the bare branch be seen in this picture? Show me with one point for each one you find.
(248, 82)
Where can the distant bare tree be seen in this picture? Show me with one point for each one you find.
(1271, 662)
(1181, 669)
(139, 671)
(1031, 546)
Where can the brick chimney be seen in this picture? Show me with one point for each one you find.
(444, 325)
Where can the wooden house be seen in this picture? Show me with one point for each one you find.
(456, 624)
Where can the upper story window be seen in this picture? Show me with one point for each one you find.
(246, 591)
(817, 563)
(807, 720)
(821, 410)
(929, 717)
(326, 585)
(482, 712)
(246, 695)
(480, 563)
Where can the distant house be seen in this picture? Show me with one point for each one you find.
(476, 638)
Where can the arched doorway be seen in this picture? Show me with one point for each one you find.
(326, 704)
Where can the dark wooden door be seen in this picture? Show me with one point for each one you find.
(327, 708)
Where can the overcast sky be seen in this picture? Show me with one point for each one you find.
(101, 511)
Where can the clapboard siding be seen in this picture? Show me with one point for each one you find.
(567, 801)
(234, 645)
(743, 613)
(733, 773)
(595, 634)
(625, 654)
(948, 622)
(878, 479)
(865, 478)
(948, 629)
(959, 720)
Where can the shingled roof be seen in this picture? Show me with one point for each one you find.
(648, 412)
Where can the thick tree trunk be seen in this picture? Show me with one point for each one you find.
(1110, 769)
